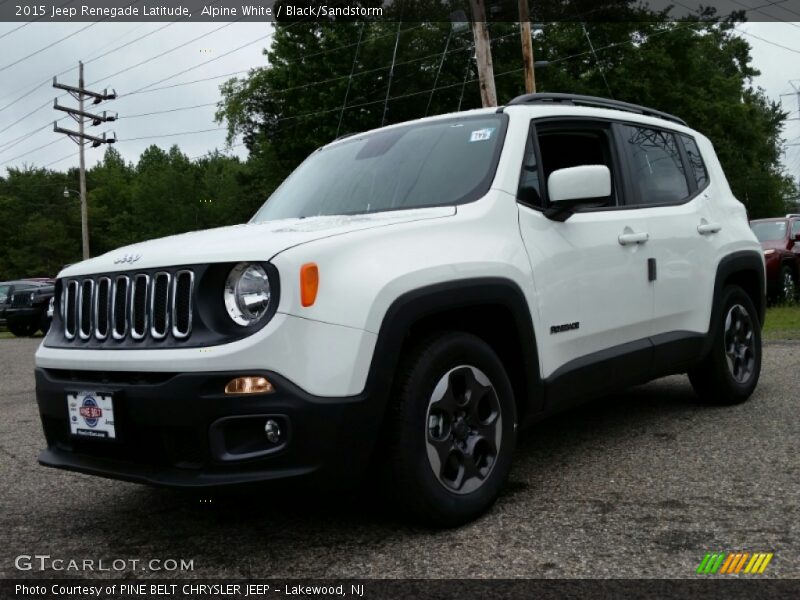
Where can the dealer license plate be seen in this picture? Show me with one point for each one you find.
(91, 415)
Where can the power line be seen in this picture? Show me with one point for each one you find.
(122, 71)
(33, 21)
(259, 39)
(164, 53)
(164, 135)
(8, 145)
(60, 159)
(776, 4)
(145, 90)
(165, 111)
(30, 151)
(796, 51)
(47, 81)
(174, 85)
(50, 45)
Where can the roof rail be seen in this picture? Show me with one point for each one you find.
(579, 100)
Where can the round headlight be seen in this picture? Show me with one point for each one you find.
(247, 293)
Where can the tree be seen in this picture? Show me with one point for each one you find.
(699, 70)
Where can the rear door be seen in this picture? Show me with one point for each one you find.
(671, 184)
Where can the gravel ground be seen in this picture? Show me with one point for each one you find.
(641, 484)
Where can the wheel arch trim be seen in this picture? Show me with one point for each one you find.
(425, 302)
(743, 261)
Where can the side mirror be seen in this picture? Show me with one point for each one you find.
(797, 237)
(573, 187)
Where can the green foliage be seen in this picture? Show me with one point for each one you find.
(163, 194)
(323, 80)
(305, 96)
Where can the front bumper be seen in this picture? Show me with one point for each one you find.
(29, 313)
(181, 430)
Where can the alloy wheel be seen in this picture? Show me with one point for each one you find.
(789, 291)
(464, 426)
(740, 343)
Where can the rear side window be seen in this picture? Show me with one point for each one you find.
(656, 166)
(696, 164)
(795, 228)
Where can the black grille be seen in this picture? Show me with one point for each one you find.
(101, 311)
(160, 305)
(120, 307)
(21, 299)
(182, 303)
(70, 308)
(139, 306)
(85, 309)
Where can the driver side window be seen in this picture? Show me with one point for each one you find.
(563, 145)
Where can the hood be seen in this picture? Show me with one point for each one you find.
(252, 241)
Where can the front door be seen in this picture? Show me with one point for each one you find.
(591, 271)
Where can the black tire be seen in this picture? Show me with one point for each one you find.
(44, 324)
(21, 328)
(787, 286)
(724, 378)
(460, 362)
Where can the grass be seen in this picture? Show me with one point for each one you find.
(782, 323)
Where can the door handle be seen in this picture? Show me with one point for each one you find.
(633, 237)
(706, 228)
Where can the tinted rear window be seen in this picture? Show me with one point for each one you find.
(696, 164)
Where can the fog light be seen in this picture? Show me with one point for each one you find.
(273, 431)
(249, 385)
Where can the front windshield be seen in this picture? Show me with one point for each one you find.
(769, 231)
(436, 163)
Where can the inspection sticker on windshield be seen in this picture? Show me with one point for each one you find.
(91, 415)
(481, 135)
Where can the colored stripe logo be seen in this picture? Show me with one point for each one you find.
(730, 563)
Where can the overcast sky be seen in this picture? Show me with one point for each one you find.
(778, 66)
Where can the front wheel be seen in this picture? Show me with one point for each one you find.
(21, 328)
(730, 372)
(454, 427)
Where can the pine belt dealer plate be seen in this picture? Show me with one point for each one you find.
(91, 415)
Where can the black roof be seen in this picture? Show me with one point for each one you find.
(579, 100)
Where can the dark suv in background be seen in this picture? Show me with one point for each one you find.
(24, 305)
(780, 239)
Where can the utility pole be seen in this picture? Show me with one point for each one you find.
(81, 138)
(483, 53)
(527, 47)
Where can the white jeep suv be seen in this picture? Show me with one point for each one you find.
(405, 301)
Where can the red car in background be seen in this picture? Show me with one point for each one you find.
(780, 239)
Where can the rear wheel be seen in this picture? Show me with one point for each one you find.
(730, 372)
(788, 288)
(453, 430)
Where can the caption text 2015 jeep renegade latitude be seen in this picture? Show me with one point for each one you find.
(405, 301)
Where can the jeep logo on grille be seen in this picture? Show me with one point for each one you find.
(128, 258)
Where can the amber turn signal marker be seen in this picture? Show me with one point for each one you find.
(309, 283)
(249, 385)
